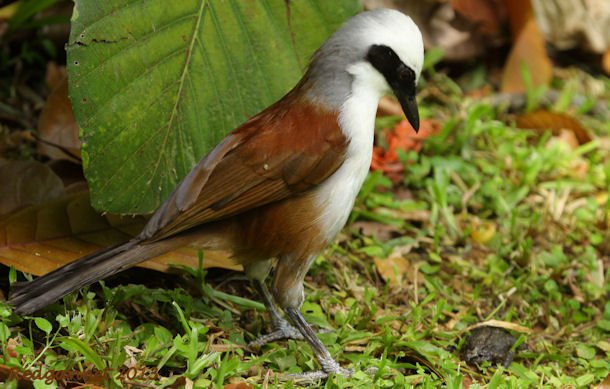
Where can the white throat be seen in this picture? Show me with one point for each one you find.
(357, 120)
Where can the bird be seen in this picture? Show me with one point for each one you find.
(277, 189)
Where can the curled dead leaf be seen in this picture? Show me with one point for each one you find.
(528, 50)
(482, 232)
(556, 122)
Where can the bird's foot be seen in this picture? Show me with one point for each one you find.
(330, 367)
(283, 330)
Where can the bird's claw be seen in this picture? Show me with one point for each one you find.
(313, 376)
(283, 331)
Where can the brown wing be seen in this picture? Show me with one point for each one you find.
(274, 155)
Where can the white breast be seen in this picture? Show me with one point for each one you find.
(337, 194)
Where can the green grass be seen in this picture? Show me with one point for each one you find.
(544, 265)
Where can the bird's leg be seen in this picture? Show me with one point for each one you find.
(288, 292)
(257, 272)
(281, 327)
(328, 363)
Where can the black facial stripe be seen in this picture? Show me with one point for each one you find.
(398, 75)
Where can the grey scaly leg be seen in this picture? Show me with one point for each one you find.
(281, 327)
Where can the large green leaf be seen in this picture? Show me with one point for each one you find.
(155, 84)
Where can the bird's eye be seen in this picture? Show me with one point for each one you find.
(405, 73)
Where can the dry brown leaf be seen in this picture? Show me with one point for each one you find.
(26, 183)
(392, 269)
(42, 238)
(500, 324)
(519, 13)
(567, 138)
(381, 232)
(397, 270)
(55, 75)
(483, 13)
(542, 120)
(56, 125)
(482, 232)
(528, 49)
(239, 385)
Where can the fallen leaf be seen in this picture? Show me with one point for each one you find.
(381, 232)
(55, 75)
(529, 50)
(57, 128)
(239, 385)
(565, 138)
(556, 122)
(501, 324)
(401, 137)
(392, 269)
(354, 349)
(41, 238)
(519, 13)
(484, 14)
(7, 11)
(27, 183)
(396, 269)
(482, 231)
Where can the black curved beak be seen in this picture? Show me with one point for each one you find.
(400, 78)
(409, 107)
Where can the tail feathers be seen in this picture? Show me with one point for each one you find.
(32, 296)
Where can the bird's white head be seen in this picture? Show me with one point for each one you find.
(380, 50)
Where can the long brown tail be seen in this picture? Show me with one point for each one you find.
(32, 296)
